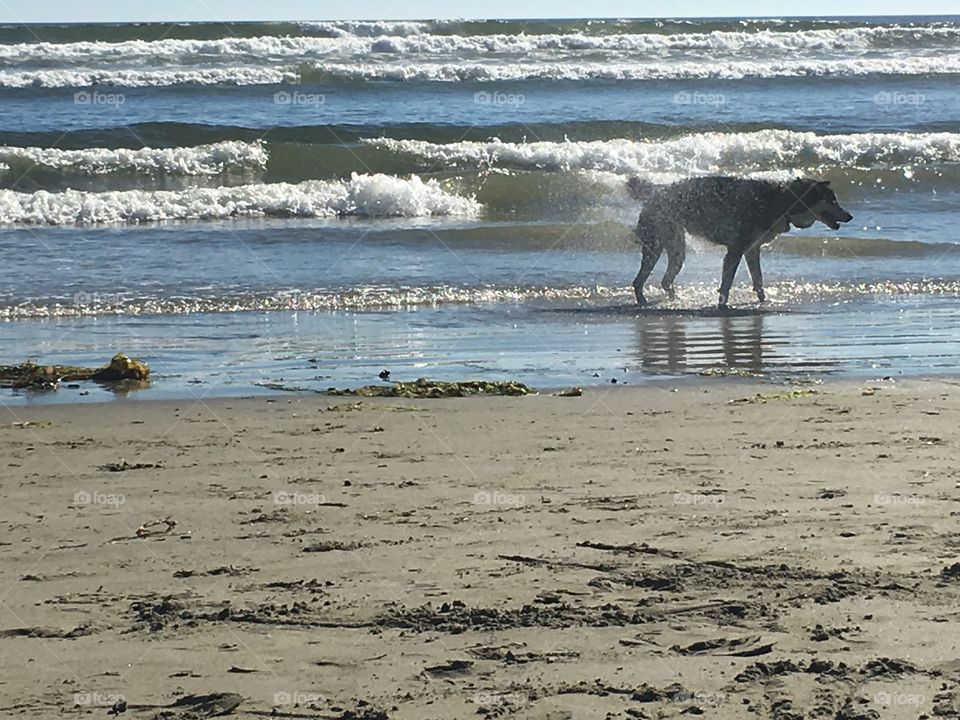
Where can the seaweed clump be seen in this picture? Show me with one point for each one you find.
(423, 388)
(48, 377)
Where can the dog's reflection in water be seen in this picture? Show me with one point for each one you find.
(674, 344)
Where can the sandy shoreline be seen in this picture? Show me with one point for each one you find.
(632, 553)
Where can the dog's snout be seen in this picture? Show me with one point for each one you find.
(840, 215)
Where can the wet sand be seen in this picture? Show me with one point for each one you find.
(633, 553)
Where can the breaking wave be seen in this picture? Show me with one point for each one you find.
(361, 196)
(693, 154)
(466, 71)
(211, 159)
(413, 39)
(148, 78)
(372, 28)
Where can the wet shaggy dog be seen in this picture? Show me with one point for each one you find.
(738, 213)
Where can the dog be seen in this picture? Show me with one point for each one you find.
(738, 213)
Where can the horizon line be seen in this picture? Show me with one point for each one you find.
(484, 19)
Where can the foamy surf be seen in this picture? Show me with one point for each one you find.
(82, 78)
(781, 296)
(694, 154)
(527, 68)
(372, 28)
(211, 159)
(413, 39)
(533, 69)
(360, 196)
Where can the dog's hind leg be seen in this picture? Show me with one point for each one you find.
(651, 247)
(756, 274)
(676, 253)
(731, 261)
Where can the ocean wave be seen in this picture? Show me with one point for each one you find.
(82, 78)
(15, 33)
(422, 69)
(780, 295)
(228, 50)
(173, 134)
(372, 28)
(692, 154)
(846, 41)
(362, 196)
(211, 159)
(464, 71)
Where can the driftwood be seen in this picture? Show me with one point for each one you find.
(31, 375)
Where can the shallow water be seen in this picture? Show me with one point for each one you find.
(447, 199)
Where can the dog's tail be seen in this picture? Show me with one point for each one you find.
(640, 189)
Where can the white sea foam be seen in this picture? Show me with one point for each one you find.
(706, 69)
(694, 154)
(239, 75)
(476, 72)
(272, 60)
(369, 28)
(226, 50)
(362, 195)
(847, 41)
(200, 160)
(688, 296)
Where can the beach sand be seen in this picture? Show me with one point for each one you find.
(632, 553)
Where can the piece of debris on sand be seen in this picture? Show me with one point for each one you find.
(423, 388)
(194, 707)
(769, 397)
(31, 375)
(730, 372)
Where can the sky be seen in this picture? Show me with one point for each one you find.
(17, 11)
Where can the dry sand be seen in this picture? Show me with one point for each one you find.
(632, 553)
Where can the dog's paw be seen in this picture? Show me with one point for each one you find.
(761, 295)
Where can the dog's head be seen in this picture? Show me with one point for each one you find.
(815, 200)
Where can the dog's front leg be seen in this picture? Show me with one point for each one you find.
(731, 261)
(756, 274)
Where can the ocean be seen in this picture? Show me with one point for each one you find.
(252, 206)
